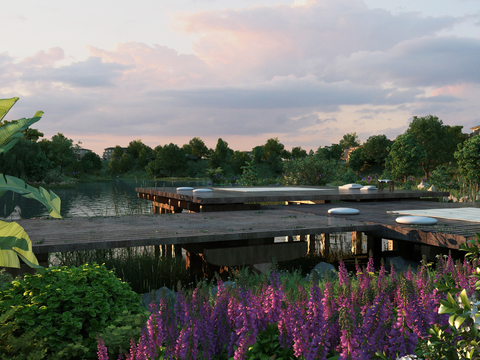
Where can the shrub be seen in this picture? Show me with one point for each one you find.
(71, 305)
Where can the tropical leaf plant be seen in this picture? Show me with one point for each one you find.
(14, 241)
(12, 132)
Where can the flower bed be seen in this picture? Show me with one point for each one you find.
(352, 318)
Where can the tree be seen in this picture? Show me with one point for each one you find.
(238, 161)
(26, 160)
(14, 241)
(375, 150)
(90, 162)
(198, 147)
(298, 152)
(59, 150)
(405, 156)
(310, 170)
(221, 155)
(349, 140)
(334, 152)
(468, 159)
(257, 153)
(169, 159)
(437, 140)
(272, 150)
(356, 161)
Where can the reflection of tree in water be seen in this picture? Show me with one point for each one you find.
(108, 198)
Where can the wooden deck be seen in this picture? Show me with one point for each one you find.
(238, 198)
(178, 229)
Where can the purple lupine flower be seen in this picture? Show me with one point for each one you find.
(350, 333)
(102, 351)
(342, 274)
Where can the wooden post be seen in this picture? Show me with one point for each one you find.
(289, 238)
(168, 249)
(311, 244)
(356, 242)
(325, 242)
(374, 244)
(157, 252)
(178, 251)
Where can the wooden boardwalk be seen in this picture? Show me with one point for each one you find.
(179, 229)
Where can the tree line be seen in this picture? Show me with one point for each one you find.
(427, 147)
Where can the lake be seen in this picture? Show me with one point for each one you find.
(106, 198)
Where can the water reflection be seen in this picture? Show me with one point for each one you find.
(107, 198)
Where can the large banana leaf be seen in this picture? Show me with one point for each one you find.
(11, 133)
(6, 105)
(51, 201)
(14, 243)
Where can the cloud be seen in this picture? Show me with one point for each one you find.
(427, 61)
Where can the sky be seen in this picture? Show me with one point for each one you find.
(107, 72)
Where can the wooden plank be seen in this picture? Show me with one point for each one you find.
(73, 234)
(248, 255)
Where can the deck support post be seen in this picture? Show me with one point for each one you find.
(356, 242)
(325, 243)
(374, 244)
(311, 244)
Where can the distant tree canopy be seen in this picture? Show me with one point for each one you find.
(349, 140)
(221, 155)
(26, 160)
(59, 150)
(437, 140)
(405, 157)
(169, 160)
(375, 150)
(196, 147)
(468, 159)
(90, 162)
(334, 152)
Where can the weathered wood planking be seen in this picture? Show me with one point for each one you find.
(218, 196)
(186, 228)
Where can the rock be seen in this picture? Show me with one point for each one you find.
(400, 264)
(163, 291)
(451, 198)
(322, 268)
(15, 215)
(464, 199)
(228, 283)
(422, 185)
(432, 188)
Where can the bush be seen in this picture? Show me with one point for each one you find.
(71, 305)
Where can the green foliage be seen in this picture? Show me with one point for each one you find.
(136, 266)
(298, 152)
(267, 346)
(461, 338)
(70, 304)
(59, 150)
(13, 239)
(375, 150)
(118, 335)
(169, 160)
(26, 160)
(221, 155)
(90, 162)
(311, 170)
(405, 157)
(333, 152)
(349, 140)
(468, 159)
(197, 148)
(441, 177)
(437, 140)
(250, 175)
(356, 160)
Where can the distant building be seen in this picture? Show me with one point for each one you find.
(347, 152)
(79, 153)
(475, 131)
(108, 153)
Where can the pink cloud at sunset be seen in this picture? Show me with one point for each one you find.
(306, 72)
